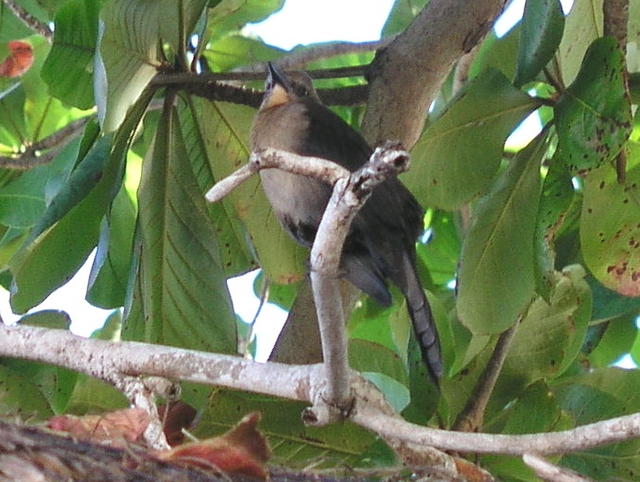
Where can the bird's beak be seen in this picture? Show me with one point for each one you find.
(278, 88)
(277, 77)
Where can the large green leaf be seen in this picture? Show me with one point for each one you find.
(593, 117)
(555, 201)
(20, 396)
(610, 226)
(550, 335)
(293, 444)
(183, 295)
(43, 113)
(111, 267)
(13, 129)
(458, 155)
(229, 16)
(225, 131)
(599, 395)
(236, 252)
(11, 27)
(496, 278)
(49, 260)
(129, 49)
(616, 341)
(497, 53)
(235, 50)
(542, 25)
(68, 68)
(23, 201)
(583, 26)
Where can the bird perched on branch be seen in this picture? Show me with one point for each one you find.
(381, 241)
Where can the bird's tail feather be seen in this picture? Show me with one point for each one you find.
(422, 318)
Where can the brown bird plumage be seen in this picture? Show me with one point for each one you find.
(381, 241)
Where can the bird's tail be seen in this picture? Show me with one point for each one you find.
(420, 312)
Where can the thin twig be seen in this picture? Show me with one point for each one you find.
(32, 157)
(472, 416)
(29, 20)
(550, 472)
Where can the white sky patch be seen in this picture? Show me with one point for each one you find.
(85, 317)
(271, 317)
(302, 22)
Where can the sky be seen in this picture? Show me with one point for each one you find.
(298, 22)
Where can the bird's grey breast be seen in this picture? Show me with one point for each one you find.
(298, 201)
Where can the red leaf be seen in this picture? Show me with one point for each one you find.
(242, 450)
(19, 60)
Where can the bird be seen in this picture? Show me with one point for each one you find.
(380, 244)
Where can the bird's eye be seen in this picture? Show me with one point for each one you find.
(302, 90)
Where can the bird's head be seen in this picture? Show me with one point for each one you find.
(281, 88)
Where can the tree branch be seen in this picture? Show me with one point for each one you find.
(29, 20)
(212, 86)
(105, 359)
(424, 53)
(472, 416)
(32, 157)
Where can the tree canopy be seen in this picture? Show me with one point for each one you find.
(117, 116)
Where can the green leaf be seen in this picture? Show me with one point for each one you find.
(44, 114)
(401, 15)
(497, 53)
(367, 356)
(129, 56)
(83, 179)
(542, 26)
(617, 341)
(20, 396)
(55, 383)
(109, 275)
(293, 444)
(236, 252)
(496, 279)
(458, 155)
(69, 66)
(50, 260)
(441, 251)
(555, 201)
(23, 201)
(593, 117)
(583, 25)
(224, 129)
(233, 51)
(229, 16)
(13, 129)
(91, 395)
(608, 304)
(183, 294)
(610, 226)
(11, 27)
(550, 335)
(598, 395)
